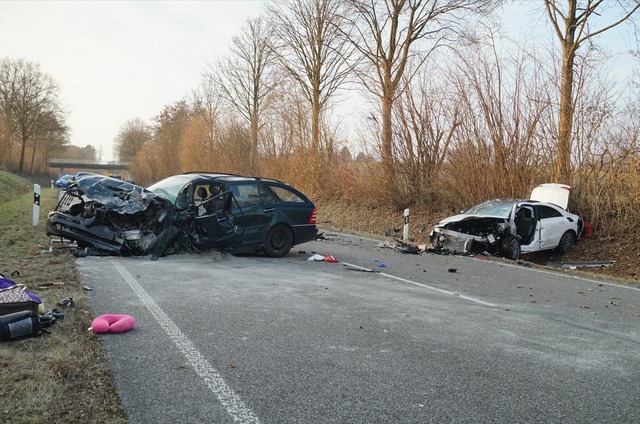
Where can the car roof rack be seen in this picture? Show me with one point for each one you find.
(233, 175)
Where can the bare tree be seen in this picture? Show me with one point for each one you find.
(52, 135)
(391, 34)
(246, 77)
(28, 99)
(426, 119)
(163, 151)
(314, 54)
(131, 138)
(572, 24)
(503, 103)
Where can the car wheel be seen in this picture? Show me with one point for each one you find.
(567, 240)
(511, 248)
(279, 241)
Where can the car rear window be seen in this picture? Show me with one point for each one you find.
(286, 195)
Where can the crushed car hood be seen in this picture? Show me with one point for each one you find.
(467, 217)
(118, 196)
(557, 194)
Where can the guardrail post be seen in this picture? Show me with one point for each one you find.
(36, 204)
(405, 232)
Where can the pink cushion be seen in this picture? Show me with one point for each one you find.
(113, 323)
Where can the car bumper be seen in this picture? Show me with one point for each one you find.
(454, 241)
(304, 233)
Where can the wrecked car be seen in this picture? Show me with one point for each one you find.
(510, 227)
(192, 211)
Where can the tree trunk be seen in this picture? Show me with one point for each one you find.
(565, 120)
(253, 154)
(315, 143)
(386, 139)
(22, 152)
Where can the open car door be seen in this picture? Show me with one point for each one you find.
(218, 229)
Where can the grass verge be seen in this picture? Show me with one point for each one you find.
(63, 376)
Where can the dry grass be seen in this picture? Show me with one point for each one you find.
(63, 376)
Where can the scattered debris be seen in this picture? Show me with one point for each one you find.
(67, 303)
(351, 268)
(391, 232)
(48, 284)
(330, 259)
(574, 265)
(452, 269)
(87, 288)
(401, 246)
(380, 263)
(316, 257)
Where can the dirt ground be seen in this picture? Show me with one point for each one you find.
(625, 252)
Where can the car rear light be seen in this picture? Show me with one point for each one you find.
(312, 220)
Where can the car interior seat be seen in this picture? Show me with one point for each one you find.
(525, 225)
(217, 204)
(202, 194)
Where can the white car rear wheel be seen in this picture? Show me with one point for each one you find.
(567, 241)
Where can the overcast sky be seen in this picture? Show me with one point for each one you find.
(118, 60)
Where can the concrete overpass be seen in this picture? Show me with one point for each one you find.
(65, 165)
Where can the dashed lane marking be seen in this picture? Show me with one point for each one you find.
(233, 404)
(426, 286)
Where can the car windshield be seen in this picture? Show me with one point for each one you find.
(501, 208)
(170, 187)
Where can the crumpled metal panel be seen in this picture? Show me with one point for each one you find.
(118, 196)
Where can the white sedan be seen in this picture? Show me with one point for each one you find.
(512, 227)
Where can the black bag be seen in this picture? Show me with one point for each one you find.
(18, 325)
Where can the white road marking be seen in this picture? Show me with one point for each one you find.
(227, 397)
(426, 286)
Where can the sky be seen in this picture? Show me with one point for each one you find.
(118, 60)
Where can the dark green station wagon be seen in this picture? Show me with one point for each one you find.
(192, 211)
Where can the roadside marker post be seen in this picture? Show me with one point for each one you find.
(36, 204)
(405, 232)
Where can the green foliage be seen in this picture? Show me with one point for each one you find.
(12, 186)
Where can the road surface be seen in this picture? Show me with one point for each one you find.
(251, 339)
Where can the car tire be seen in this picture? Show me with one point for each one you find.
(510, 248)
(279, 241)
(567, 241)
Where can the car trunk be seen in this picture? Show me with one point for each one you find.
(557, 194)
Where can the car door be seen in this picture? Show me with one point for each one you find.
(213, 228)
(552, 226)
(250, 212)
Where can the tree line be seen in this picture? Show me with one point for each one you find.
(448, 115)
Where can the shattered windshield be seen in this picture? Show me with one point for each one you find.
(501, 208)
(170, 187)
(116, 195)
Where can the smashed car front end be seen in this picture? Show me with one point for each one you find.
(113, 217)
(463, 234)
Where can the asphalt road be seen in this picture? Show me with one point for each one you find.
(248, 339)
